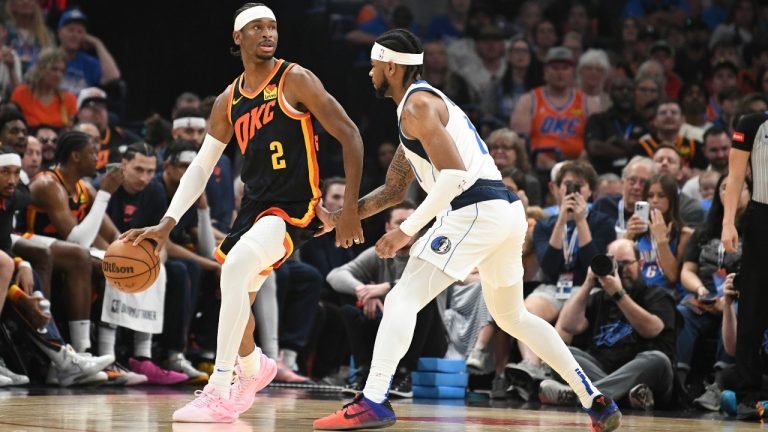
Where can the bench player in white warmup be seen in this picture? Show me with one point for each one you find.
(479, 223)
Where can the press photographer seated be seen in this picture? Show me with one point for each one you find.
(632, 328)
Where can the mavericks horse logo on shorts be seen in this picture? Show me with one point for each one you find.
(441, 245)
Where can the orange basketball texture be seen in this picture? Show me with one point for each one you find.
(129, 268)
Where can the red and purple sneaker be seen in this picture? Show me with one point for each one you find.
(361, 413)
(604, 413)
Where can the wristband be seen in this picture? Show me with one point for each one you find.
(24, 264)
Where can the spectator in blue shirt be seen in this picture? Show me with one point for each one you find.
(84, 70)
(452, 24)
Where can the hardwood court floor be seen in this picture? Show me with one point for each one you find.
(142, 409)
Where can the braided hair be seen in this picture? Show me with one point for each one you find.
(402, 40)
(68, 142)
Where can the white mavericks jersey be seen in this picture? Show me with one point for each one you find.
(473, 151)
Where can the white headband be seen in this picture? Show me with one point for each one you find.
(382, 53)
(10, 159)
(251, 14)
(187, 156)
(189, 122)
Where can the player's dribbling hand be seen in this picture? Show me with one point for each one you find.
(348, 229)
(157, 233)
(391, 242)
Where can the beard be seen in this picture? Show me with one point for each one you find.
(382, 90)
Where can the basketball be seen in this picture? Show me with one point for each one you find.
(129, 268)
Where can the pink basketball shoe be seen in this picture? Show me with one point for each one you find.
(208, 407)
(245, 387)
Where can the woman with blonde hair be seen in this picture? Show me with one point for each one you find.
(508, 150)
(42, 101)
(27, 32)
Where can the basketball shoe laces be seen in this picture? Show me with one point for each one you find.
(204, 398)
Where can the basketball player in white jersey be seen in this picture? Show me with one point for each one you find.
(479, 223)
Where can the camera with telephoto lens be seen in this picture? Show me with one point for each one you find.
(604, 265)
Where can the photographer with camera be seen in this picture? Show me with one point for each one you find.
(632, 329)
(565, 245)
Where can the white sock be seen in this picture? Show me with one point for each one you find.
(377, 386)
(289, 359)
(107, 336)
(251, 363)
(221, 379)
(142, 344)
(80, 334)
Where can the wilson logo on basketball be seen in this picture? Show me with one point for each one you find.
(114, 268)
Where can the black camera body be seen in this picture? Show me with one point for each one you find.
(604, 265)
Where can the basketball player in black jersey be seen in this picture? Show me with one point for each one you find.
(269, 109)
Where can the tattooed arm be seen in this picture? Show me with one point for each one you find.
(399, 177)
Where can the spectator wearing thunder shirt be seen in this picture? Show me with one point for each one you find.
(190, 124)
(554, 116)
(84, 70)
(92, 108)
(667, 123)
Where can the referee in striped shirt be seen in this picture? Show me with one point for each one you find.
(750, 146)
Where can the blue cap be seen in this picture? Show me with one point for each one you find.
(72, 15)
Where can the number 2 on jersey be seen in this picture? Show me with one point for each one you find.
(277, 161)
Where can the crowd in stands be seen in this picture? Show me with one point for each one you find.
(589, 109)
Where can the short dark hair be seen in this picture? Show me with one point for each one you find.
(188, 112)
(715, 129)
(68, 142)
(235, 50)
(141, 148)
(176, 147)
(404, 204)
(10, 116)
(517, 175)
(578, 168)
(668, 147)
(402, 40)
(330, 181)
(663, 101)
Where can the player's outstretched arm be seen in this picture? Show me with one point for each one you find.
(399, 177)
(304, 87)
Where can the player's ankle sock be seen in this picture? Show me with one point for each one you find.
(377, 386)
(80, 334)
(107, 335)
(251, 363)
(221, 379)
(142, 344)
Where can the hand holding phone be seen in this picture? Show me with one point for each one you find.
(708, 299)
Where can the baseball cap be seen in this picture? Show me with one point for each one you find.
(725, 64)
(71, 16)
(661, 45)
(559, 54)
(91, 96)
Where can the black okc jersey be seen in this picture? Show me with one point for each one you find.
(280, 170)
(278, 146)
